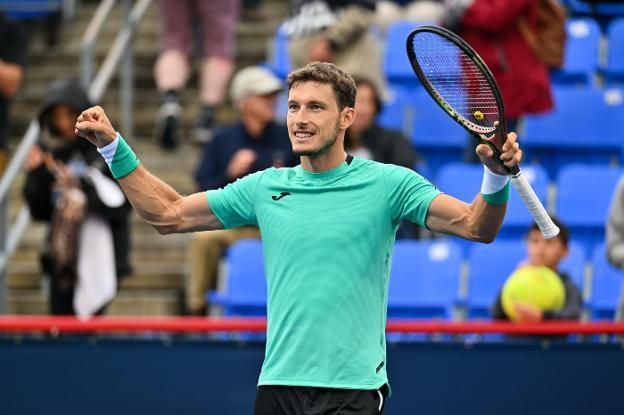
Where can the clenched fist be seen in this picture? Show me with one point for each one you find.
(94, 125)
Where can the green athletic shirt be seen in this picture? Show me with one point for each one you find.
(327, 246)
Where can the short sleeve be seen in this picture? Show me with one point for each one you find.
(409, 194)
(234, 204)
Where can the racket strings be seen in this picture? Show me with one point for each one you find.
(456, 79)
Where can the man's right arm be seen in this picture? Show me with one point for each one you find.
(154, 200)
(164, 208)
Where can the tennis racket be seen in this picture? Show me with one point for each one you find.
(459, 81)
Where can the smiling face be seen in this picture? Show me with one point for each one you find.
(315, 123)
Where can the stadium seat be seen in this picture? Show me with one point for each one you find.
(424, 280)
(397, 111)
(606, 286)
(435, 135)
(245, 292)
(596, 7)
(489, 267)
(614, 68)
(583, 197)
(396, 64)
(585, 127)
(30, 9)
(279, 60)
(574, 264)
(581, 53)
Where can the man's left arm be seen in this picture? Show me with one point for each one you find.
(481, 220)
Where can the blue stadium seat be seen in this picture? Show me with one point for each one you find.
(606, 286)
(424, 280)
(596, 7)
(30, 9)
(581, 53)
(435, 135)
(574, 264)
(246, 292)
(279, 60)
(614, 68)
(583, 197)
(397, 111)
(489, 267)
(396, 65)
(585, 127)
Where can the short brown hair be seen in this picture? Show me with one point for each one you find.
(564, 233)
(327, 73)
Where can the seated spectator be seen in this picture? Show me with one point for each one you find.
(69, 185)
(13, 42)
(367, 139)
(215, 22)
(255, 142)
(548, 253)
(336, 31)
(391, 11)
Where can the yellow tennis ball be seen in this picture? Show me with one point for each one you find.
(538, 286)
(478, 115)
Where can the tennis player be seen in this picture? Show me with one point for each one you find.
(328, 228)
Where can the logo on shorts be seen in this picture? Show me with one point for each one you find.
(281, 195)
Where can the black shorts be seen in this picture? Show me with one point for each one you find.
(299, 400)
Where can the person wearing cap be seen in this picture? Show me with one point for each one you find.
(69, 185)
(253, 143)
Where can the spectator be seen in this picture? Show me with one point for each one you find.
(615, 236)
(216, 24)
(252, 144)
(391, 11)
(491, 28)
(69, 185)
(367, 139)
(12, 62)
(548, 253)
(336, 31)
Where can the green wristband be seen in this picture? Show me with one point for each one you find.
(499, 198)
(120, 158)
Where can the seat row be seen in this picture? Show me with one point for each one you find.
(434, 279)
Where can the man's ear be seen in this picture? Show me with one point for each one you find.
(347, 116)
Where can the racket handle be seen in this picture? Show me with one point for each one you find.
(532, 202)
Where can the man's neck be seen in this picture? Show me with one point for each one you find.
(324, 162)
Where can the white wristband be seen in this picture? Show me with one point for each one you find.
(492, 182)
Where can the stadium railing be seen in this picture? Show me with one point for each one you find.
(119, 53)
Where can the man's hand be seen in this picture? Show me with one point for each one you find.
(527, 313)
(93, 124)
(510, 156)
(241, 163)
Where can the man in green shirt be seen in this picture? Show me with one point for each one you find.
(328, 229)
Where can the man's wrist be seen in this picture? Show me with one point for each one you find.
(119, 156)
(495, 187)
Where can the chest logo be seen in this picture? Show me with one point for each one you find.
(281, 195)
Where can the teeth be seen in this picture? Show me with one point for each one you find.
(303, 135)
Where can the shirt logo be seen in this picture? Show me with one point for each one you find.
(281, 195)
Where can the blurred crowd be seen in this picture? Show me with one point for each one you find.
(68, 185)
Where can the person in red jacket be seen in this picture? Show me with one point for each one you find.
(491, 28)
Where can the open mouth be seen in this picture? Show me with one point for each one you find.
(303, 135)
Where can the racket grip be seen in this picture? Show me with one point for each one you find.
(532, 202)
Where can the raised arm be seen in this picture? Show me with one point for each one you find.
(154, 200)
(480, 220)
